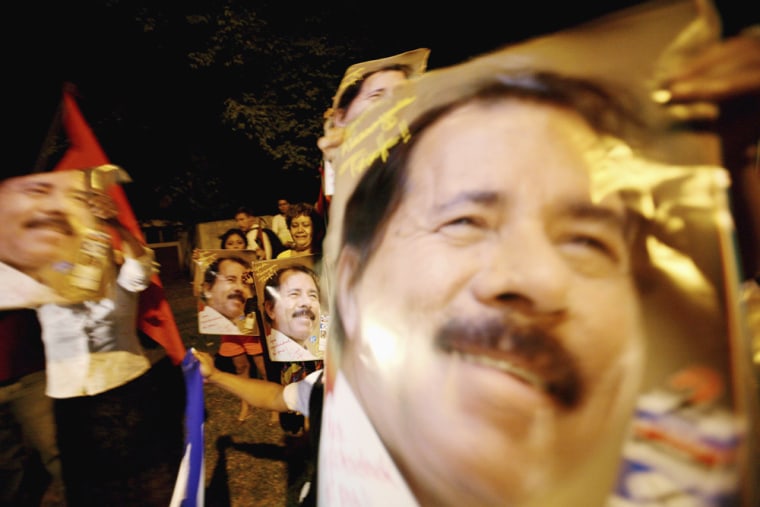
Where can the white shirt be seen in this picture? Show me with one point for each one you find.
(280, 227)
(252, 235)
(354, 466)
(23, 291)
(297, 394)
(92, 347)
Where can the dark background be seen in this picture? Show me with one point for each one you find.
(162, 120)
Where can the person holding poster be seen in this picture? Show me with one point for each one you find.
(279, 224)
(30, 239)
(362, 85)
(97, 372)
(71, 251)
(242, 351)
(293, 315)
(119, 417)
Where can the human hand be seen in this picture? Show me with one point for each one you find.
(206, 362)
(330, 142)
(724, 71)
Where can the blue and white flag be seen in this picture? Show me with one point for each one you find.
(190, 486)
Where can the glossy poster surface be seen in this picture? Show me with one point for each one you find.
(529, 313)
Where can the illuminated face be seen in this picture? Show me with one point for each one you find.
(493, 337)
(374, 87)
(43, 215)
(230, 291)
(246, 222)
(301, 231)
(296, 306)
(234, 242)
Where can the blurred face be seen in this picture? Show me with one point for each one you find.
(493, 336)
(229, 292)
(296, 307)
(283, 206)
(245, 221)
(373, 88)
(301, 230)
(42, 218)
(234, 242)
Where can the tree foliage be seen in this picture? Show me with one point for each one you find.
(285, 68)
(203, 102)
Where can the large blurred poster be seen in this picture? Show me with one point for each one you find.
(406, 420)
(691, 439)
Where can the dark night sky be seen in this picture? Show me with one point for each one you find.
(141, 82)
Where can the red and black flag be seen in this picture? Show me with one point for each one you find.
(155, 317)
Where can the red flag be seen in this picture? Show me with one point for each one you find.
(323, 200)
(155, 317)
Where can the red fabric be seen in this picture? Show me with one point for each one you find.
(234, 345)
(155, 317)
(323, 200)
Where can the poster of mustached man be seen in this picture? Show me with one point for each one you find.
(225, 290)
(53, 248)
(295, 316)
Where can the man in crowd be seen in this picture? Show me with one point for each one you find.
(37, 211)
(48, 214)
(279, 223)
(362, 85)
(258, 241)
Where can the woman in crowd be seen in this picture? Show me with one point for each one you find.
(307, 229)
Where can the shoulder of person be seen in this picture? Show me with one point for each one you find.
(275, 241)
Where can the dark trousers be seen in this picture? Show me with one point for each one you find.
(123, 447)
(27, 441)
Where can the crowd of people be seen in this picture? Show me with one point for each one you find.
(228, 305)
(482, 218)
